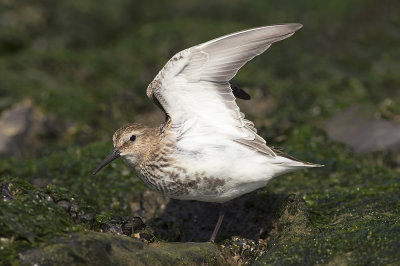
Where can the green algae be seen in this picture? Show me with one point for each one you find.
(26, 215)
(352, 207)
(358, 242)
(107, 249)
(30, 216)
(71, 170)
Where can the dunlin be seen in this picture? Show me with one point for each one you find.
(205, 150)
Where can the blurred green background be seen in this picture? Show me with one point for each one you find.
(83, 67)
(86, 64)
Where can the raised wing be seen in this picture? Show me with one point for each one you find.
(193, 87)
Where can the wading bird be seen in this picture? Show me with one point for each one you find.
(205, 150)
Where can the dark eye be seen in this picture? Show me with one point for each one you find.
(132, 138)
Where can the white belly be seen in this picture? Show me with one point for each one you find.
(213, 173)
(217, 175)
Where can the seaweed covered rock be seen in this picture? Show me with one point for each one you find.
(29, 215)
(52, 225)
(107, 249)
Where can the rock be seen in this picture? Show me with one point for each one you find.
(6, 194)
(24, 129)
(65, 204)
(291, 222)
(132, 226)
(149, 204)
(353, 127)
(137, 224)
(15, 124)
(92, 248)
(111, 228)
(292, 218)
(87, 218)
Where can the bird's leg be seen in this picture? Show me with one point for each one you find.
(217, 226)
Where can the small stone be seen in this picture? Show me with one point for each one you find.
(111, 228)
(244, 250)
(49, 198)
(151, 204)
(87, 218)
(134, 225)
(65, 204)
(262, 242)
(75, 217)
(74, 208)
(138, 224)
(6, 194)
(127, 228)
(146, 236)
(117, 219)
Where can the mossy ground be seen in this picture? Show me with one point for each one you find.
(86, 64)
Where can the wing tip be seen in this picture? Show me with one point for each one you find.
(283, 29)
(294, 26)
(288, 28)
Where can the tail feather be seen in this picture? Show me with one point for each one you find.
(300, 164)
(290, 161)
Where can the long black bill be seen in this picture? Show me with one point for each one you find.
(111, 157)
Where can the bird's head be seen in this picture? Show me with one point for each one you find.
(132, 142)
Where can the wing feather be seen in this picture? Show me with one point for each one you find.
(193, 87)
